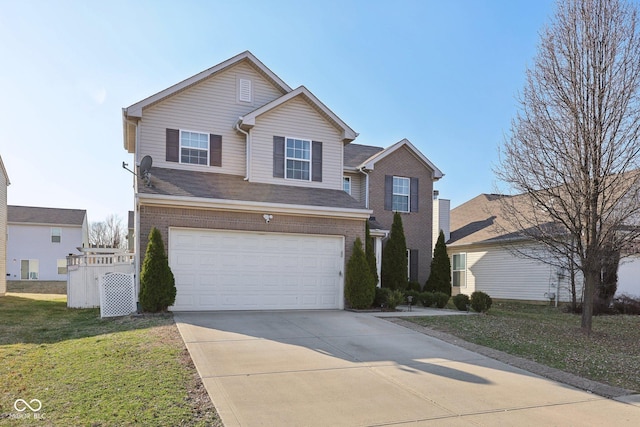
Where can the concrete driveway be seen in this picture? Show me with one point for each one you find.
(338, 368)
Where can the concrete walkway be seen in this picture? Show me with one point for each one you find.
(338, 368)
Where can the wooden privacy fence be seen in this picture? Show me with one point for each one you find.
(84, 272)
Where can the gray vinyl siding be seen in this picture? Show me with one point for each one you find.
(297, 119)
(500, 273)
(208, 107)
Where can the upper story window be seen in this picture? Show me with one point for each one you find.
(56, 235)
(346, 184)
(298, 159)
(194, 148)
(401, 192)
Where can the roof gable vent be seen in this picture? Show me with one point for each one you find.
(244, 90)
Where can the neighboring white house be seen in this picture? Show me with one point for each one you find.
(484, 257)
(39, 240)
(4, 183)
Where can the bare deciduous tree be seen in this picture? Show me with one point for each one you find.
(108, 234)
(574, 146)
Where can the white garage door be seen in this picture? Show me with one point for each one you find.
(231, 270)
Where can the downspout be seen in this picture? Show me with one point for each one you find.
(248, 148)
(366, 187)
(136, 218)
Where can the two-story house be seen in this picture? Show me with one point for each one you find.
(396, 179)
(4, 183)
(39, 240)
(247, 189)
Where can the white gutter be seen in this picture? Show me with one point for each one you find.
(247, 206)
(247, 135)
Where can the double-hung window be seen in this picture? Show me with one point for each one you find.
(459, 269)
(298, 159)
(56, 234)
(194, 148)
(346, 184)
(401, 194)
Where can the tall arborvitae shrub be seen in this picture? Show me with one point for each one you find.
(370, 253)
(360, 285)
(394, 257)
(157, 284)
(440, 277)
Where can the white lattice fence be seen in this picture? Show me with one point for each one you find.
(117, 294)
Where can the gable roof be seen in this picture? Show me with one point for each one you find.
(356, 154)
(249, 120)
(476, 221)
(4, 171)
(369, 162)
(135, 110)
(49, 216)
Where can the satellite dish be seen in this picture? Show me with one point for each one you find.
(145, 169)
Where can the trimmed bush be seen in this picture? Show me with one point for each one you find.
(394, 299)
(382, 295)
(157, 284)
(441, 299)
(414, 286)
(480, 302)
(461, 301)
(370, 253)
(427, 299)
(394, 257)
(440, 277)
(360, 285)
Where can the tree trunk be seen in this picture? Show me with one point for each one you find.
(591, 280)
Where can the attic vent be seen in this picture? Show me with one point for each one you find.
(244, 90)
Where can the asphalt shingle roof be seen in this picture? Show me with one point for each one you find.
(184, 183)
(37, 215)
(356, 154)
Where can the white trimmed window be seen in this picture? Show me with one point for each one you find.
(56, 234)
(298, 159)
(62, 266)
(346, 184)
(194, 148)
(459, 269)
(401, 191)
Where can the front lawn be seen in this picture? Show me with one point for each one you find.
(544, 334)
(90, 371)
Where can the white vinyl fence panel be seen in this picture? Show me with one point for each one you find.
(84, 272)
(117, 295)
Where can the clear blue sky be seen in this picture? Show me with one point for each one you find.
(443, 74)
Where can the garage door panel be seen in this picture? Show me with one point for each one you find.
(226, 270)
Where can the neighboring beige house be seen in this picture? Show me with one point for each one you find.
(4, 183)
(247, 189)
(484, 256)
(396, 179)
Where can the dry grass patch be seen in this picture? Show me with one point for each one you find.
(547, 335)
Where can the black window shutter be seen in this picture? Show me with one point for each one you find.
(413, 265)
(414, 195)
(316, 161)
(173, 145)
(278, 156)
(388, 192)
(215, 150)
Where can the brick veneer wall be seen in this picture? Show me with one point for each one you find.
(417, 225)
(164, 217)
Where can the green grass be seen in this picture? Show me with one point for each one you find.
(611, 354)
(91, 371)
